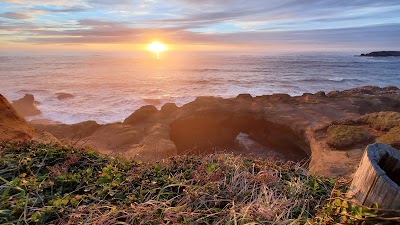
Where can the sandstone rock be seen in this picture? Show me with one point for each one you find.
(202, 131)
(141, 114)
(13, 127)
(281, 97)
(276, 122)
(391, 88)
(168, 108)
(26, 106)
(244, 97)
(333, 94)
(320, 94)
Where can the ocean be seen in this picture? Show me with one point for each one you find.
(109, 88)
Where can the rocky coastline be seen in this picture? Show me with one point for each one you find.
(325, 128)
(382, 54)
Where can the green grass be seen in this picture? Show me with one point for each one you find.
(383, 121)
(342, 136)
(49, 184)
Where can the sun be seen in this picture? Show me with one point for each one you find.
(157, 47)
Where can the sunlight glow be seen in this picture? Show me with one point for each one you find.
(157, 47)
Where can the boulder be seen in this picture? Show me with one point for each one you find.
(320, 94)
(141, 114)
(245, 97)
(168, 108)
(26, 106)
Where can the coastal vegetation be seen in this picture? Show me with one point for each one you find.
(391, 138)
(342, 136)
(53, 184)
(382, 121)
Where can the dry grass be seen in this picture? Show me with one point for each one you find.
(47, 184)
(391, 138)
(382, 121)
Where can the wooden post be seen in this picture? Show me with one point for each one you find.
(377, 178)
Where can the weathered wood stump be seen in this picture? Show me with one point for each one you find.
(377, 178)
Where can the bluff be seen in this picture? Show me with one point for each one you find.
(311, 126)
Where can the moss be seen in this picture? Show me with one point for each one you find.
(391, 138)
(342, 136)
(382, 121)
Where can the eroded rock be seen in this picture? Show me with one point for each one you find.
(13, 126)
(287, 124)
(141, 114)
(26, 106)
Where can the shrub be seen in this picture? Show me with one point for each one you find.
(391, 138)
(342, 136)
(382, 121)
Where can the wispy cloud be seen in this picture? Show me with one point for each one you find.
(16, 15)
(247, 22)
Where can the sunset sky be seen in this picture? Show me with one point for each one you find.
(206, 25)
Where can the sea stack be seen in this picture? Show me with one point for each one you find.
(26, 106)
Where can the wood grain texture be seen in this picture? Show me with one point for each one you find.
(371, 183)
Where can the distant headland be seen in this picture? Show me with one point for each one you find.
(382, 54)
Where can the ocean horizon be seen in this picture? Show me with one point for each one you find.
(108, 89)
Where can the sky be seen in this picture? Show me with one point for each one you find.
(200, 25)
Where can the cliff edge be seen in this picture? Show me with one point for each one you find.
(12, 125)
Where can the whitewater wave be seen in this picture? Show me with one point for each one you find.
(335, 80)
(108, 89)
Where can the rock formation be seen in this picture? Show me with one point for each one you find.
(63, 95)
(26, 106)
(382, 54)
(296, 127)
(12, 125)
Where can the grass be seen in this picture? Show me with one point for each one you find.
(391, 138)
(50, 184)
(382, 121)
(342, 136)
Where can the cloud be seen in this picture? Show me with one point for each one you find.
(306, 22)
(16, 15)
(119, 32)
(62, 9)
(114, 2)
